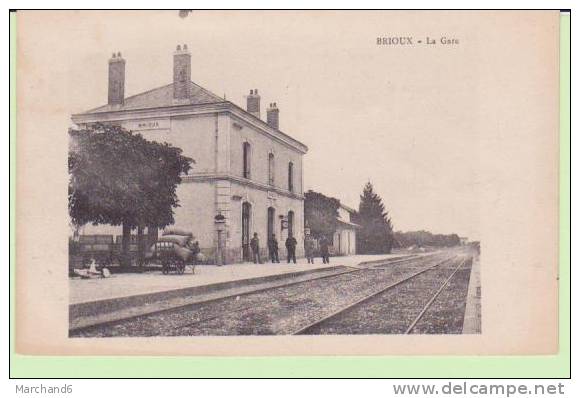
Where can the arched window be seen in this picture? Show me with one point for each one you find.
(271, 222)
(291, 177)
(246, 147)
(271, 168)
(246, 220)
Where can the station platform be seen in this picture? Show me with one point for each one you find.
(93, 301)
(472, 318)
(122, 285)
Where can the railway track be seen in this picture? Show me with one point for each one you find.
(446, 311)
(370, 267)
(352, 317)
(430, 302)
(225, 315)
(87, 330)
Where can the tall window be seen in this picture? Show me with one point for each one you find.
(246, 160)
(291, 177)
(290, 223)
(271, 222)
(271, 169)
(246, 215)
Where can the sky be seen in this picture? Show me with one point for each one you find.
(409, 119)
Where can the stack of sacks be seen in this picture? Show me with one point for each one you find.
(179, 238)
(176, 231)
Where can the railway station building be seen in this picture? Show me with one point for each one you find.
(246, 169)
(344, 239)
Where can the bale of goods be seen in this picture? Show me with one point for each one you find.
(182, 252)
(180, 240)
(176, 231)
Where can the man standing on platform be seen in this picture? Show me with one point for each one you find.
(325, 250)
(255, 245)
(309, 248)
(273, 249)
(291, 248)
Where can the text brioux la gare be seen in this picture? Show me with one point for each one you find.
(411, 41)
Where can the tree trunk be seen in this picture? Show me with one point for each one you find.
(125, 245)
(152, 232)
(140, 245)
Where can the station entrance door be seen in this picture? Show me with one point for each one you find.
(246, 214)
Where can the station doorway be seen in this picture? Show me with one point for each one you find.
(271, 223)
(246, 214)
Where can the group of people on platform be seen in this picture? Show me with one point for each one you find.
(309, 249)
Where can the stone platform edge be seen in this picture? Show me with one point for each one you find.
(472, 316)
(111, 305)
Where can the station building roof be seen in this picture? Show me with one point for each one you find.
(161, 97)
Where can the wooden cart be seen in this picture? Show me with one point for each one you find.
(166, 253)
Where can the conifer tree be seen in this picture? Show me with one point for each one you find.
(376, 233)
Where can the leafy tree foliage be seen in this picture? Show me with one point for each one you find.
(425, 238)
(120, 178)
(376, 233)
(320, 213)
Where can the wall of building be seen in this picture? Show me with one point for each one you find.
(196, 211)
(353, 242)
(344, 241)
(344, 214)
(261, 147)
(195, 135)
(260, 201)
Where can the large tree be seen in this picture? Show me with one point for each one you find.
(376, 233)
(320, 214)
(120, 178)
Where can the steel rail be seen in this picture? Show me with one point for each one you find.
(437, 293)
(371, 266)
(369, 297)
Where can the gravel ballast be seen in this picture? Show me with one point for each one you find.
(280, 310)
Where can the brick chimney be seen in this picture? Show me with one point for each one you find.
(253, 103)
(272, 115)
(116, 79)
(181, 73)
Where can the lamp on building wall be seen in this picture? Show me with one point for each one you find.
(283, 222)
(220, 224)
